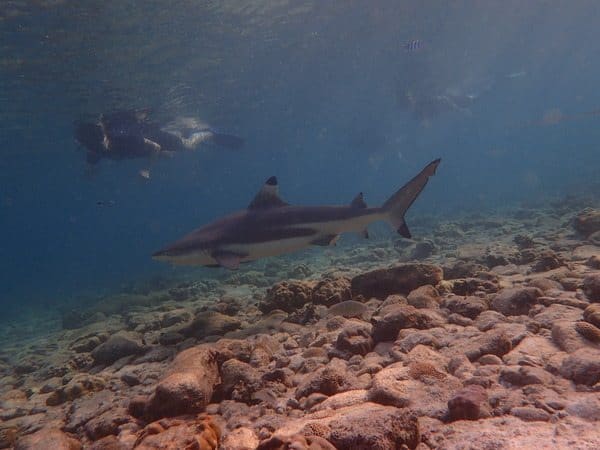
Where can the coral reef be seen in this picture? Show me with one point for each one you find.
(494, 342)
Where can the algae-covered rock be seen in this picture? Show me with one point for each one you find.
(116, 347)
(397, 280)
(287, 296)
(517, 301)
(210, 323)
(202, 433)
(587, 221)
(186, 389)
(48, 438)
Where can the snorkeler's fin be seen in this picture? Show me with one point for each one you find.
(227, 140)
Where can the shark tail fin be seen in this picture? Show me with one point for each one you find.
(397, 205)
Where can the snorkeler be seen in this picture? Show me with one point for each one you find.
(131, 134)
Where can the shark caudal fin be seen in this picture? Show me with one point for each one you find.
(397, 205)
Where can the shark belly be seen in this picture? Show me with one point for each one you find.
(250, 252)
(323, 232)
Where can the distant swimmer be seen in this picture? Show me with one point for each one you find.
(413, 45)
(519, 74)
(131, 134)
(145, 174)
(105, 203)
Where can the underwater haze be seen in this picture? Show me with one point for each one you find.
(316, 89)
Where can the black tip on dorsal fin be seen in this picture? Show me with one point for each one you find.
(268, 196)
(359, 201)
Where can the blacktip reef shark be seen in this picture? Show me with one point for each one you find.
(270, 226)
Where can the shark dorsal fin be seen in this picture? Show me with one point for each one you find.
(268, 196)
(359, 201)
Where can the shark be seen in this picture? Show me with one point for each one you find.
(270, 226)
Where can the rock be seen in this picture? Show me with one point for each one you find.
(86, 408)
(200, 434)
(593, 262)
(287, 296)
(384, 428)
(174, 317)
(343, 400)
(469, 403)
(489, 360)
(355, 339)
(583, 366)
(525, 375)
(547, 317)
(532, 351)
(515, 301)
(471, 286)
(588, 331)
(397, 280)
(591, 287)
(107, 423)
(469, 307)
(239, 380)
(48, 438)
(587, 408)
(399, 316)
(210, 323)
(188, 386)
(170, 338)
(547, 260)
(410, 338)
(307, 314)
(488, 320)
(294, 442)
(594, 238)
(392, 386)
(592, 314)
(80, 385)
(76, 318)
(328, 292)
(529, 414)
(422, 250)
(348, 309)
(327, 380)
(545, 284)
(587, 221)
(116, 347)
(240, 439)
(566, 336)
(87, 344)
(424, 297)
(493, 343)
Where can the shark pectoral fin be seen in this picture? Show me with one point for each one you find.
(404, 231)
(324, 241)
(228, 260)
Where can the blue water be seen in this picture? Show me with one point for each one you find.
(314, 89)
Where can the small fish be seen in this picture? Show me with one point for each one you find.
(145, 174)
(413, 45)
(105, 203)
(520, 74)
